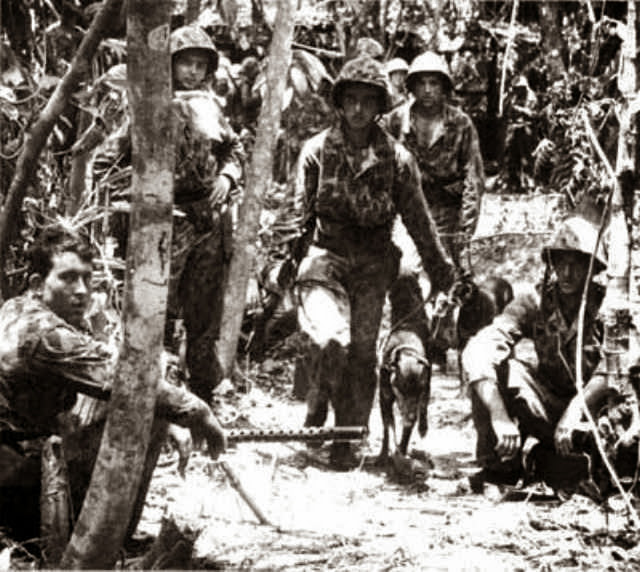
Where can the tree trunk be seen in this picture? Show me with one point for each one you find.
(36, 139)
(107, 508)
(258, 180)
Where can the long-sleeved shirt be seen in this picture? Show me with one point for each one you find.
(206, 147)
(554, 338)
(347, 200)
(45, 362)
(451, 166)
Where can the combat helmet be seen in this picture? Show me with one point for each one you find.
(428, 62)
(396, 65)
(194, 38)
(577, 234)
(362, 70)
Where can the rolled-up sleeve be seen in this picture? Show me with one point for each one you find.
(493, 345)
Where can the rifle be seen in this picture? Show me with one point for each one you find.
(305, 434)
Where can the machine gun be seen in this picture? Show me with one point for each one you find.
(306, 434)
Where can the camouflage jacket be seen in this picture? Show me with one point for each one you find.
(206, 146)
(347, 200)
(45, 362)
(451, 168)
(553, 336)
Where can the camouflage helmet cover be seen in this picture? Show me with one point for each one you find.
(369, 47)
(576, 234)
(429, 62)
(362, 70)
(194, 38)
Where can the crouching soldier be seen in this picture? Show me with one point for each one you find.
(48, 357)
(527, 414)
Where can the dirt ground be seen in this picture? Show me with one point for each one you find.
(365, 519)
(362, 519)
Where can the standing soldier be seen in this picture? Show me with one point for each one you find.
(445, 144)
(397, 70)
(352, 180)
(526, 411)
(207, 172)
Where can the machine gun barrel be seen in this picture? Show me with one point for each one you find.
(306, 434)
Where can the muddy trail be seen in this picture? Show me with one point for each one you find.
(365, 519)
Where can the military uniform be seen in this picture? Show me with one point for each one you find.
(346, 201)
(451, 168)
(44, 364)
(536, 388)
(206, 148)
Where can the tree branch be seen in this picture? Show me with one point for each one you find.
(36, 139)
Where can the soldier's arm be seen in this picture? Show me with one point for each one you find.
(305, 188)
(74, 359)
(493, 345)
(413, 209)
(473, 182)
(233, 159)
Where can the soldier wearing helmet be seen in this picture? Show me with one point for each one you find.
(445, 143)
(194, 58)
(525, 408)
(352, 180)
(207, 173)
(397, 69)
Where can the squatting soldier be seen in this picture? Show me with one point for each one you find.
(445, 144)
(207, 173)
(525, 408)
(352, 181)
(47, 357)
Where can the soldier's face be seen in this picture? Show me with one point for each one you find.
(190, 69)
(360, 105)
(571, 270)
(429, 89)
(66, 290)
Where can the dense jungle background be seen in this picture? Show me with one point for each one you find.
(542, 82)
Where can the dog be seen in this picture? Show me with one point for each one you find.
(467, 311)
(409, 350)
(405, 370)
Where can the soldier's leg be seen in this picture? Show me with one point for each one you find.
(354, 398)
(201, 292)
(324, 316)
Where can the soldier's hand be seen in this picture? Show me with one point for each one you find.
(563, 435)
(508, 438)
(220, 192)
(214, 434)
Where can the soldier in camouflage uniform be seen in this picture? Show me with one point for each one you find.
(48, 357)
(207, 173)
(525, 405)
(445, 144)
(352, 181)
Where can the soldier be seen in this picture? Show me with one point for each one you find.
(351, 182)
(47, 357)
(445, 144)
(207, 174)
(397, 69)
(525, 407)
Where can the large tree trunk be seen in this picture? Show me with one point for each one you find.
(258, 180)
(36, 138)
(103, 522)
